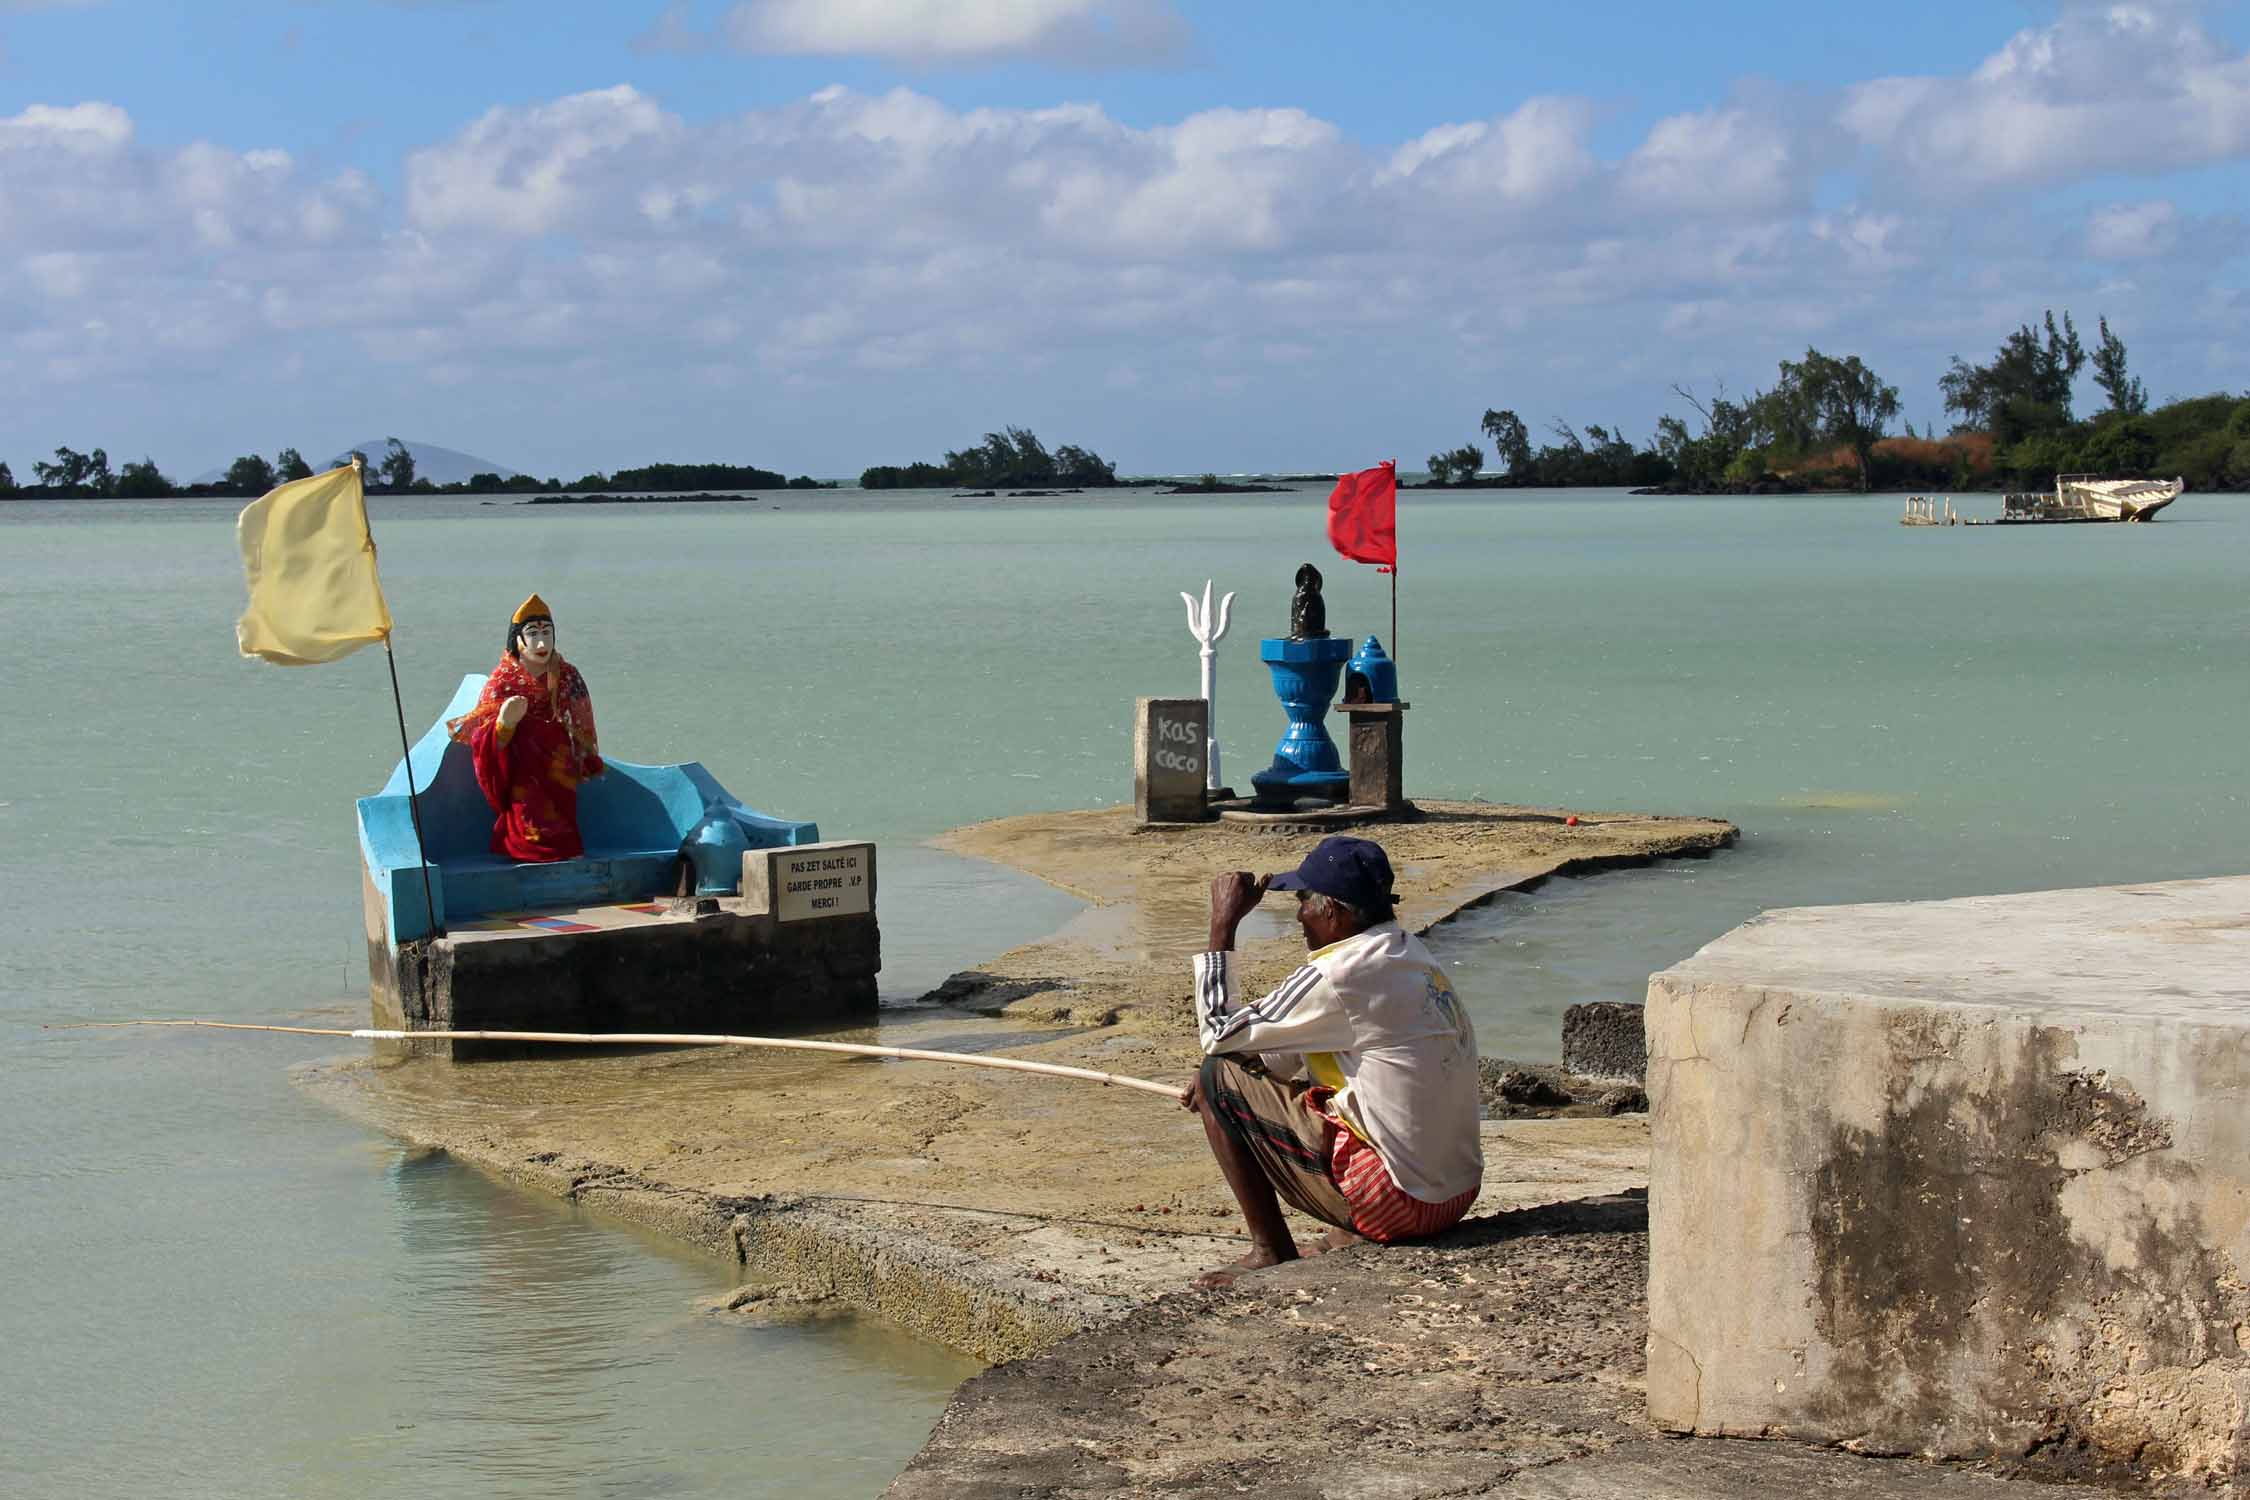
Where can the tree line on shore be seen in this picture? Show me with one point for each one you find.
(1825, 425)
(1010, 459)
(84, 476)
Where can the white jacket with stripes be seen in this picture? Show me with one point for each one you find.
(1375, 1018)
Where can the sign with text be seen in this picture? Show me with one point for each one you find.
(1168, 767)
(811, 881)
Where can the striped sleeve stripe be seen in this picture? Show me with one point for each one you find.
(1273, 1007)
(1291, 990)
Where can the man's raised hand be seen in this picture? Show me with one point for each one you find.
(1233, 894)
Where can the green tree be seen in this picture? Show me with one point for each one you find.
(2124, 449)
(289, 464)
(1440, 466)
(1707, 460)
(7, 481)
(142, 481)
(250, 475)
(2127, 396)
(1849, 401)
(398, 467)
(1468, 462)
(2024, 389)
(1511, 443)
(75, 471)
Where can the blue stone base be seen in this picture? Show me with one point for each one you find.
(1305, 762)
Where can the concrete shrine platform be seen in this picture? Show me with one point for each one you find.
(1961, 1178)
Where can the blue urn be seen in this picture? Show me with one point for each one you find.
(1371, 676)
(1305, 762)
(715, 848)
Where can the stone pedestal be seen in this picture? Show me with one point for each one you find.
(1378, 754)
(1960, 1178)
(1169, 742)
(1305, 762)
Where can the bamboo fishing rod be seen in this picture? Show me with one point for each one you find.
(669, 1039)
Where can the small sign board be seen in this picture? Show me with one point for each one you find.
(1168, 759)
(810, 881)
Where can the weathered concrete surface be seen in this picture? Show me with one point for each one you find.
(1501, 1360)
(1961, 1178)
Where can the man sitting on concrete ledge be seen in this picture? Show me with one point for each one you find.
(1351, 1090)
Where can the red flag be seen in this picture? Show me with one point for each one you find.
(1363, 515)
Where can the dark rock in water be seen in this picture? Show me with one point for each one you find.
(1520, 1086)
(1603, 1039)
(1632, 1099)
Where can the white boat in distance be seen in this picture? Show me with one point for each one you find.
(2088, 497)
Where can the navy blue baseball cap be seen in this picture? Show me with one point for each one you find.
(1354, 871)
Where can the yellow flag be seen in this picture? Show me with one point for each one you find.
(310, 564)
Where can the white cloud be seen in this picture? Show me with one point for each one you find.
(2133, 231)
(80, 128)
(2105, 88)
(1725, 157)
(533, 170)
(1258, 275)
(1529, 153)
(1086, 32)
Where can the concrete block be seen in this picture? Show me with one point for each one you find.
(810, 882)
(1378, 745)
(1168, 765)
(1960, 1178)
(1603, 1039)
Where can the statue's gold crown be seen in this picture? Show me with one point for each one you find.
(534, 608)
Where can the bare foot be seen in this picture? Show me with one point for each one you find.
(1257, 1260)
(1337, 1239)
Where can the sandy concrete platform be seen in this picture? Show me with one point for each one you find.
(995, 1212)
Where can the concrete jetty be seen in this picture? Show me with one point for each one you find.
(1967, 1179)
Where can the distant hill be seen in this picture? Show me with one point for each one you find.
(437, 465)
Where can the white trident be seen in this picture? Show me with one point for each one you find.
(1199, 626)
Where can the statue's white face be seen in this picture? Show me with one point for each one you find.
(538, 645)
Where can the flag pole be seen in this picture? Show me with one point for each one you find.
(413, 800)
(405, 751)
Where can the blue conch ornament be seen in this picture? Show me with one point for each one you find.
(715, 848)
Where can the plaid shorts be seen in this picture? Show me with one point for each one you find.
(1316, 1165)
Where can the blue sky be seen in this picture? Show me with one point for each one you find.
(816, 234)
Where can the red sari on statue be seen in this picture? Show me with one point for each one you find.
(531, 776)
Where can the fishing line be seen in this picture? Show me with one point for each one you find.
(668, 1039)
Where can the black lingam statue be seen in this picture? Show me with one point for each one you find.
(1308, 612)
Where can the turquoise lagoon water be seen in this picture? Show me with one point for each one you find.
(217, 1286)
